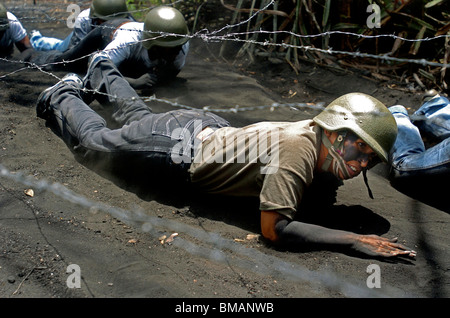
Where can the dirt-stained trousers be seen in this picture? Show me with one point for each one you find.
(144, 141)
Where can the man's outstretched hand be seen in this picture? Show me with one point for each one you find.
(279, 229)
(375, 245)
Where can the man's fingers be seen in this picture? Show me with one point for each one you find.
(394, 249)
(380, 246)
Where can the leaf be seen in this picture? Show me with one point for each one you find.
(418, 21)
(415, 47)
(433, 3)
(344, 25)
(171, 237)
(162, 238)
(326, 13)
(252, 237)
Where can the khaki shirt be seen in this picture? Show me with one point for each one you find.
(270, 160)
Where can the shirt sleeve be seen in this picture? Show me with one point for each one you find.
(180, 60)
(283, 190)
(123, 45)
(82, 26)
(117, 51)
(18, 32)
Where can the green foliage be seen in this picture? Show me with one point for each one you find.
(140, 7)
(411, 19)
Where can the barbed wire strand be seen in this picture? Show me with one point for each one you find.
(208, 36)
(234, 108)
(239, 255)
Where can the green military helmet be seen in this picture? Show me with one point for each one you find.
(161, 20)
(108, 9)
(4, 22)
(366, 117)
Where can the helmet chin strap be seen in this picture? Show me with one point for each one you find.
(335, 152)
(367, 183)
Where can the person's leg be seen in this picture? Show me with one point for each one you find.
(131, 151)
(97, 39)
(75, 59)
(77, 124)
(433, 118)
(409, 141)
(111, 87)
(64, 45)
(104, 78)
(408, 157)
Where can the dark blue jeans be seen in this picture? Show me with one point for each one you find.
(78, 54)
(145, 141)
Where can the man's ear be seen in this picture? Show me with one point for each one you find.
(327, 133)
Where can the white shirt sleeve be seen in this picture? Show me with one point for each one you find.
(124, 43)
(180, 60)
(16, 30)
(127, 45)
(82, 26)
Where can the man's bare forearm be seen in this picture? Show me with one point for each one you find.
(303, 233)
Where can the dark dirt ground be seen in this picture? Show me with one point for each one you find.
(42, 235)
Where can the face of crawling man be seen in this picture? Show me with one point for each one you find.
(164, 53)
(356, 156)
